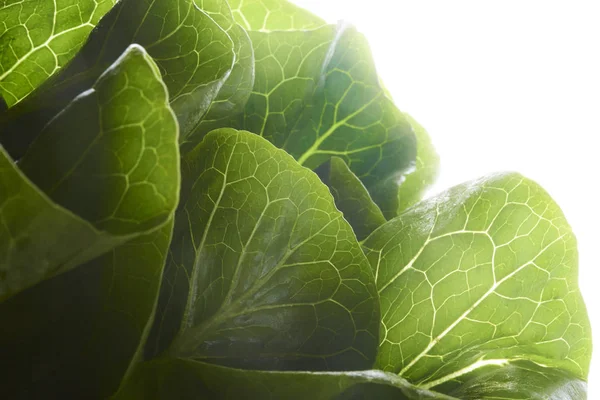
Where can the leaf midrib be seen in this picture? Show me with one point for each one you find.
(187, 319)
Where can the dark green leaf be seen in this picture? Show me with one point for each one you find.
(193, 53)
(273, 15)
(33, 229)
(317, 95)
(39, 37)
(96, 177)
(186, 379)
(75, 336)
(425, 171)
(351, 198)
(3, 106)
(481, 276)
(236, 90)
(263, 271)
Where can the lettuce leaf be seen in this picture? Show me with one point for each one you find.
(39, 37)
(95, 178)
(480, 277)
(263, 271)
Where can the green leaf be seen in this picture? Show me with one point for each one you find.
(194, 54)
(350, 116)
(187, 379)
(317, 95)
(111, 155)
(96, 177)
(351, 198)
(273, 15)
(39, 37)
(425, 172)
(34, 228)
(263, 271)
(289, 66)
(76, 336)
(234, 93)
(520, 380)
(481, 276)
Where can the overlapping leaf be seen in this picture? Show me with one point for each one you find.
(477, 286)
(194, 54)
(105, 170)
(186, 379)
(75, 336)
(351, 198)
(234, 93)
(520, 380)
(349, 116)
(317, 95)
(39, 37)
(481, 276)
(425, 171)
(273, 15)
(263, 271)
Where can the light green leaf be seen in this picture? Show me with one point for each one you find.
(521, 380)
(273, 15)
(317, 95)
(425, 172)
(95, 178)
(481, 276)
(187, 379)
(351, 198)
(263, 271)
(350, 116)
(194, 54)
(39, 37)
(75, 336)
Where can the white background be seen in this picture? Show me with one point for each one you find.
(500, 85)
